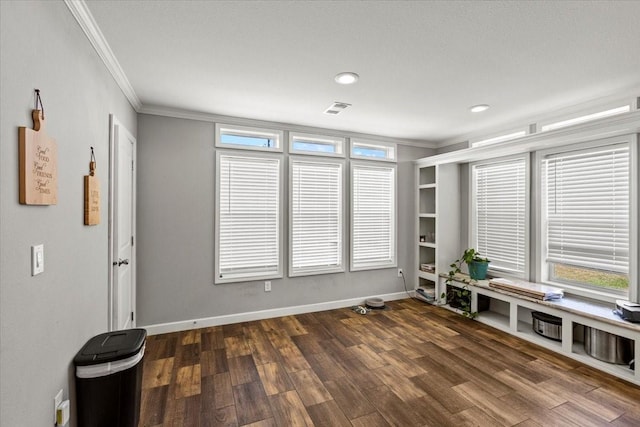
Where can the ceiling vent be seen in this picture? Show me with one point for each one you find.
(336, 108)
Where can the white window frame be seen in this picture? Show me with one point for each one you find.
(337, 142)
(276, 135)
(585, 116)
(389, 147)
(473, 241)
(496, 138)
(232, 278)
(394, 225)
(318, 270)
(542, 272)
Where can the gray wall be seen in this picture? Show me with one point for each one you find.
(453, 147)
(44, 320)
(176, 159)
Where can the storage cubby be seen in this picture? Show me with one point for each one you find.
(603, 347)
(427, 200)
(455, 301)
(427, 175)
(525, 322)
(540, 326)
(426, 290)
(427, 229)
(493, 311)
(427, 256)
(426, 283)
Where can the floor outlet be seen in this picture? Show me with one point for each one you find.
(267, 286)
(399, 272)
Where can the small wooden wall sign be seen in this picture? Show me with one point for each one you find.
(38, 158)
(91, 195)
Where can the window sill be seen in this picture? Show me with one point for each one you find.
(316, 272)
(246, 278)
(593, 294)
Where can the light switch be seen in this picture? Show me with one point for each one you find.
(37, 259)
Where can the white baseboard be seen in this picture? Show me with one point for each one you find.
(185, 325)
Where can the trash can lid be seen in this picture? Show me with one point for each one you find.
(111, 346)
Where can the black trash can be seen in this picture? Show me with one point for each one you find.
(109, 379)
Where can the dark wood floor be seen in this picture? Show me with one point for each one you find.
(410, 365)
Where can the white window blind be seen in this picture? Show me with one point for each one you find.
(501, 214)
(373, 239)
(316, 217)
(587, 208)
(249, 217)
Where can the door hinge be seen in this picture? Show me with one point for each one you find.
(131, 240)
(131, 165)
(132, 316)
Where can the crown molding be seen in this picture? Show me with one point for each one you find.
(85, 19)
(231, 120)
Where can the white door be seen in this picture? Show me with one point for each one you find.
(122, 228)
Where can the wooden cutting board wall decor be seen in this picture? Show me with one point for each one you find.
(91, 194)
(38, 158)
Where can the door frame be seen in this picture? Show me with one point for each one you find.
(115, 129)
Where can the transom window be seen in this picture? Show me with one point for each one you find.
(584, 118)
(373, 150)
(499, 138)
(248, 138)
(304, 143)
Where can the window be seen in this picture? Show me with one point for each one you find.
(585, 118)
(248, 138)
(500, 138)
(500, 214)
(373, 216)
(315, 220)
(248, 223)
(373, 150)
(586, 210)
(316, 144)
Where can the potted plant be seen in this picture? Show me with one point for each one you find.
(460, 297)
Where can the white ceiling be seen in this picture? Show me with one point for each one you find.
(421, 64)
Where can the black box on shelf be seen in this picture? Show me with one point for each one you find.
(455, 301)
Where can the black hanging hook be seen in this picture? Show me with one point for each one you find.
(39, 101)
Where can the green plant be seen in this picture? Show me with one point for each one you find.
(462, 295)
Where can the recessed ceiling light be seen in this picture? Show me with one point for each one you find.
(347, 78)
(479, 108)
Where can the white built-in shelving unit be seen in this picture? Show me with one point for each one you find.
(437, 219)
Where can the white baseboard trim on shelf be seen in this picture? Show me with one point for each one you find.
(185, 325)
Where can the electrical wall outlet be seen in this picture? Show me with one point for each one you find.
(56, 402)
(400, 273)
(267, 286)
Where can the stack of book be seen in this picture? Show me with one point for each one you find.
(428, 267)
(426, 294)
(527, 289)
